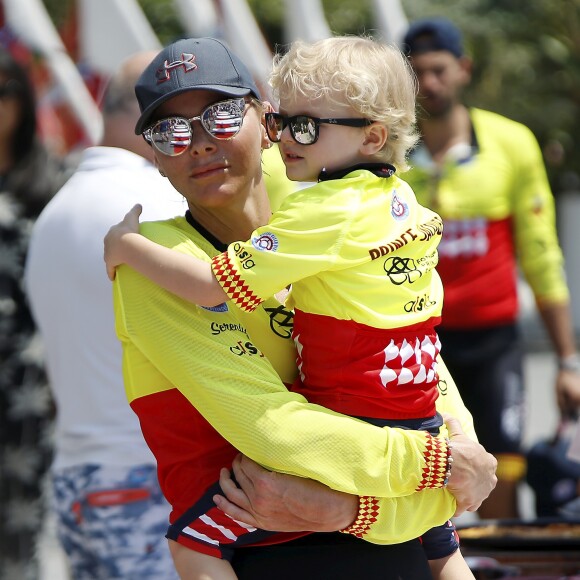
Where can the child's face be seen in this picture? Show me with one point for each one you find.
(337, 146)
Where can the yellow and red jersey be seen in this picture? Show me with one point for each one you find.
(497, 207)
(360, 255)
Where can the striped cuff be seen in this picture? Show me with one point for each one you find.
(233, 284)
(368, 510)
(437, 463)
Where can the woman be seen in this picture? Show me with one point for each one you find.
(181, 360)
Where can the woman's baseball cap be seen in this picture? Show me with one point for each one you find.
(190, 64)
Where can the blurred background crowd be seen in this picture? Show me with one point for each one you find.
(527, 54)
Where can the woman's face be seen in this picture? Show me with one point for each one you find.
(213, 173)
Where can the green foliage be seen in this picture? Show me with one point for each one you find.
(348, 17)
(270, 16)
(163, 18)
(59, 10)
(343, 16)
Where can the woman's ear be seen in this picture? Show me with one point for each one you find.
(266, 108)
(375, 139)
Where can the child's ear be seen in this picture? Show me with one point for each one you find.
(375, 139)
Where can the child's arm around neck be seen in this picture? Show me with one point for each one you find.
(185, 276)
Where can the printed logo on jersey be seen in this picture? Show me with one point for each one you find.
(243, 256)
(281, 320)
(423, 232)
(442, 386)
(223, 307)
(399, 208)
(242, 347)
(246, 348)
(401, 270)
(538, 205)
(219, 327)
(187, 62)
(428, 262)
(431, 228)
(420, 303)
(404, 239)
(267, 242)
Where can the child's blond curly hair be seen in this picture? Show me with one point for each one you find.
(373, 78)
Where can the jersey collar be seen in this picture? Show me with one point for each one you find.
(379, 169)
(220, 246)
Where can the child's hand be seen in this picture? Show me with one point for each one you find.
(114, 239)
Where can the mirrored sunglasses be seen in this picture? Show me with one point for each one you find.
(172, 135)
(304, 129)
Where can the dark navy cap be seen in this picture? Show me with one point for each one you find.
(190, 64)
(431, 34)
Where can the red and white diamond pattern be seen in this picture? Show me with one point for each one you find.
(234, 286)
(411, 363)
(436, 463)
(368, 511)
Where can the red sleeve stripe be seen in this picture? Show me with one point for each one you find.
(436, 460)
(234, 286)
(368, 511)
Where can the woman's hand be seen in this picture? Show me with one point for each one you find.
(473, 475)
(285, 503)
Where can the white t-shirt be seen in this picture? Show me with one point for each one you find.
(71, 300)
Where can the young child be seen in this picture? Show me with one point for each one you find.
(357, 249)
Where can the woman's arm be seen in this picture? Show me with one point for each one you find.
(275, 501)
(449, 401)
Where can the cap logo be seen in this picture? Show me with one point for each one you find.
(187, 62)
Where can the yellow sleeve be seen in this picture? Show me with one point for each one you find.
(534, 220)
(392, 521)
(450, 401)
(532, 208)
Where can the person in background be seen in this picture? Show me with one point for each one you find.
(110, 511)
(183, 361)
(29, 176)
(484, 174)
